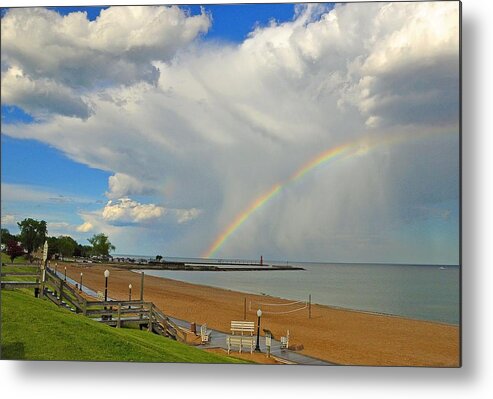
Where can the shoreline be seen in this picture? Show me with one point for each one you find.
(371, 312)
(338, 335)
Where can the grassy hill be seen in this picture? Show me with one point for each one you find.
(34, 329)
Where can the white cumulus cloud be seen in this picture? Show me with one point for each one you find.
(125, 210)
(85, 227)
(122, 185)
(49, 60)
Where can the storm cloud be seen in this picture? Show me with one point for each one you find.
(208, 127)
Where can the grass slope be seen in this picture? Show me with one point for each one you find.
(19, 259)
(34, 329)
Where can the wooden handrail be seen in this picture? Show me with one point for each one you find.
(118, 311)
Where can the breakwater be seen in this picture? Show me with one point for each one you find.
(209, 267)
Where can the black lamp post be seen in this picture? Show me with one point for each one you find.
(129, 295)
(80, 287)
(56, 268)
(65, 273)
(259, 314)
(106, 275)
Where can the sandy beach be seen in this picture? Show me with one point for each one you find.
(337, 335)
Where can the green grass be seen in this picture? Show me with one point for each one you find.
(20, 259)
(35, 329)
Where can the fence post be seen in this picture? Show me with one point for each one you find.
(244, 308)
(149, 325)
(142, 286)
(60, 298)
(43, 277)
(141, 293)
(119, 321)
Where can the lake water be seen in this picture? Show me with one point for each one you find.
(419, 292)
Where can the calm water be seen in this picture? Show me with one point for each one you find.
(420, 292)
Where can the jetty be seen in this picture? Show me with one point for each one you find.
(223, 267)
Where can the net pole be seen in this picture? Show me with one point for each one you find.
(309, 306)
(244, 308)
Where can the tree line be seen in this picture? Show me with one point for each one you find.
(33, 234)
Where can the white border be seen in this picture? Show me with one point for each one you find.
(474, 380)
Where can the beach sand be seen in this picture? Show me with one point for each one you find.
(337, 335)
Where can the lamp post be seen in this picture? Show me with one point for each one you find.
(56, 268)
(65, 273)
(129, 295)
(106, 275)
(80, 287)
(259, 314)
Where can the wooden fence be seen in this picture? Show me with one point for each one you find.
(113, 313)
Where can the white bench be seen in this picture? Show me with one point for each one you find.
(240, 341)
(204, 334)
(242, 328)
(285, 341)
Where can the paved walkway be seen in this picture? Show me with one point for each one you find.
(217, 338)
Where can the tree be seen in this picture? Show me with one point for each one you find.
(66, 245)
(32, 235)
(52, 247)
(158, 258)
(14, 250)
(83, 250)
(101, 245)
(6, 236)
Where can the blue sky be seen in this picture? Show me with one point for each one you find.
(162, 146)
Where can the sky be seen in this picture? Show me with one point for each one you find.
(311, 132)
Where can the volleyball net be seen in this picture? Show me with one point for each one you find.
(279, 308)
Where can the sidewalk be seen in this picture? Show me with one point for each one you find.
(217, 339)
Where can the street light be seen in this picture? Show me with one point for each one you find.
(56, 268)
(80, 287)
(259, 314)
(129, 294)
(106, 275)
(65, 273)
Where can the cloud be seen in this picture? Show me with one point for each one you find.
(42, 96)
(79, 55)
(185, 215)
(126, 210)
(27, 193)
(219, 125)
(8, 220)
(121, 185)
(85, 227)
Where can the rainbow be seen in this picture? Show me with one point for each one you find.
(241, 218)
(344, 151)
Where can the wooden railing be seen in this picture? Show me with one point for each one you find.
(114, 313)
(20, 279)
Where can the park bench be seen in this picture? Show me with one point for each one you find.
(204, 334)
(240, 341)
(285, 341)
(242, 328)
